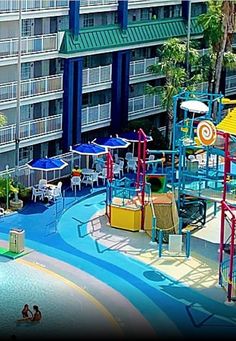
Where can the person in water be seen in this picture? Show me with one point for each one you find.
(26, 312)
(37, 314)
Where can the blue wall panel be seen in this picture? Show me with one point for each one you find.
(68, 85)
(123, 14)
(74, 16)
(120, 90)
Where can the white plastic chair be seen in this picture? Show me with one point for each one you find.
(116, 170)
(129, 156)
(121, 165)
(131, 165)
(103, 176)
(42, 183)
(37, 193)
(90, 179)
(74, 182)
(150, 158)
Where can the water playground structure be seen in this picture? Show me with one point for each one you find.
(200, 171)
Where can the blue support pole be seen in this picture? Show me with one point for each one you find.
(123, 14)
(180, 225)
(175, 99)
(188, 244)
(77, 114)
(74, 16)
(68, 103)
(120, 90)
(160, 237)
(154, 220)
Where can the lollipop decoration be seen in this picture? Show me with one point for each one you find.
(206, 133)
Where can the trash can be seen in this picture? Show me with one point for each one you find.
(16, 240)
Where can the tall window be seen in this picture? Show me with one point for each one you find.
(25, 154)
(25, 70)
(88, 20)
(27, 27)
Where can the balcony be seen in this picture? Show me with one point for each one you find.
(32, 9)
(144, 105)
(92, 6)
(100, 77)
(10, 6)
(230, 86)
(31, 87)
(42, 129)
(97, 78)
(96, 117)
(32, 45)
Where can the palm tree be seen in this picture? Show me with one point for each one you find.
(172, 65)
(218, 27)
(3, 120)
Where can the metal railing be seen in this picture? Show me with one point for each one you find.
(31, 87)
(225, 277)
(30, 178)
(97, 75)
(144, 102)
(96, 114)
(103, 74)
(230, 83)
(33, 128)
(87, 3)
(30, 45)
(140, 67)
(9, 6)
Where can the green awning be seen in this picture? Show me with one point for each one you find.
(111, 38)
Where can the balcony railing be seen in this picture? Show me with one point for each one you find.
(144, 103)
(97, 75)
(9, 6)
(30, 129)
(230, 83)
(87, 3)
(96, 114)
(31, 87)
(30, 45)
(103, 74)
(140, 67)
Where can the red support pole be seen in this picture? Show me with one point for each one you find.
(222, 233)
(109, 190)
(142, 150)
(231, 264)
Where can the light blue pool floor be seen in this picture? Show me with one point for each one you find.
(170, 307)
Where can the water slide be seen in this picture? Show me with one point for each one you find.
(166, 213)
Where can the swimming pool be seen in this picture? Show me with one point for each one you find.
(171, 308)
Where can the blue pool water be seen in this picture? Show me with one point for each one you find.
(169, 306)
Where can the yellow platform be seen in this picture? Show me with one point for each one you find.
(126, 214)
(228, 124)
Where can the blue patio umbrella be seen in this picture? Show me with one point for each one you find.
(89, 149)
(111, 142)
(133, 136)
(47, 164)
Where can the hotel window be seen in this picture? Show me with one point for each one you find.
(177, 11)
(25, 113)
(88, 20)
(25, 70)
(145, 14)
(27, 25)
(25, 154)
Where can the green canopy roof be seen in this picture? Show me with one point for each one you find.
(137, 34)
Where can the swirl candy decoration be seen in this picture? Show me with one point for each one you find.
(206, 133)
